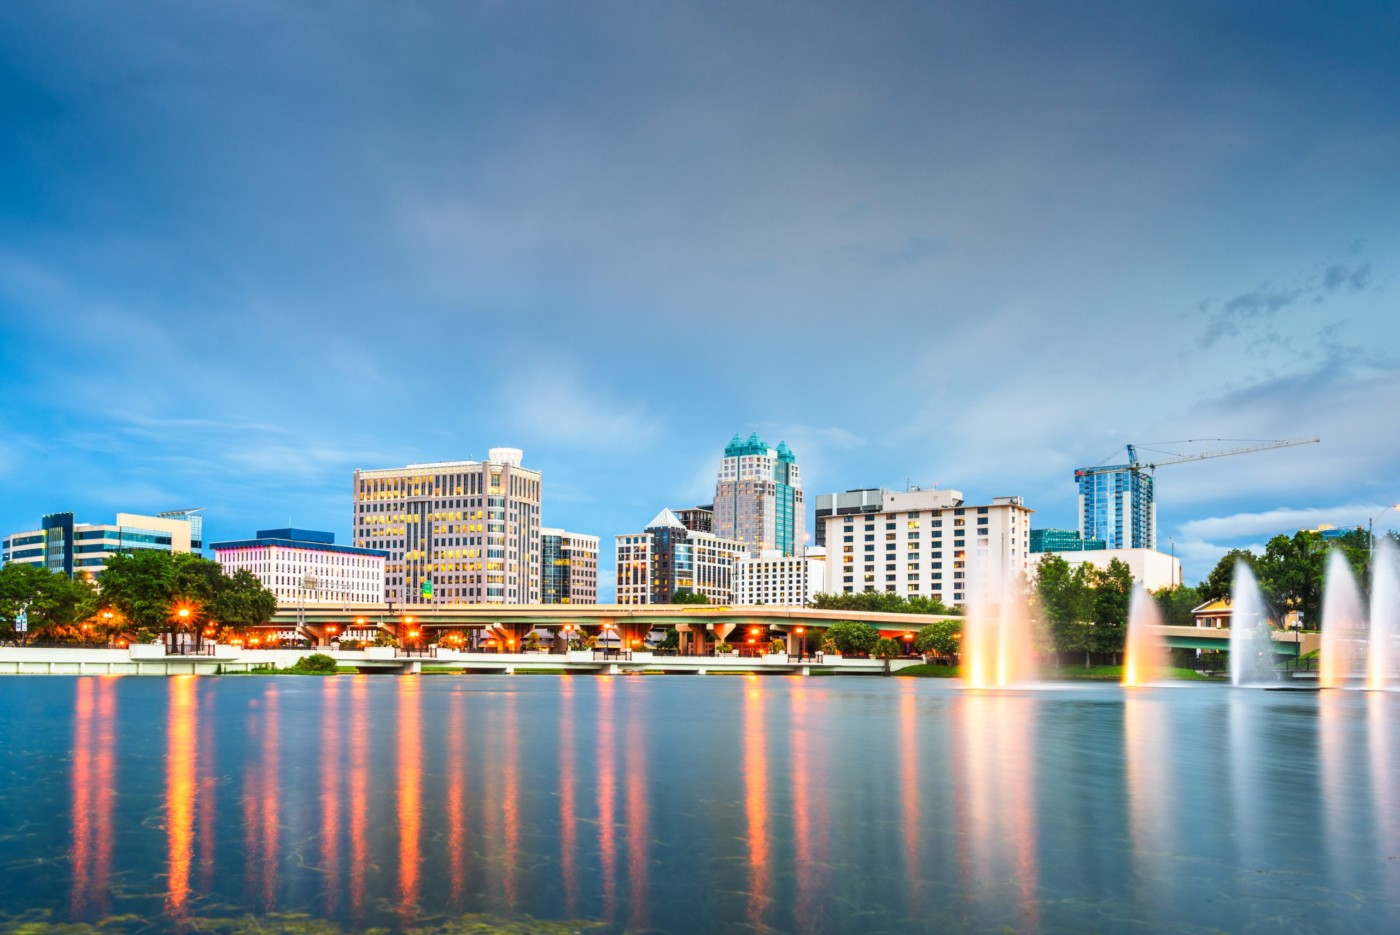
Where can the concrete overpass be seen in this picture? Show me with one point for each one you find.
(508, 624)
(1286, 642)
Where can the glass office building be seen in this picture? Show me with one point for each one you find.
(1116, 506)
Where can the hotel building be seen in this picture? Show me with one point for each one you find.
(865, 500)
(784, 580)
(456, 532)
(83, 549)
(653, 565)
(758, 497)
(927, 542)
(568, 567)
(306, 565)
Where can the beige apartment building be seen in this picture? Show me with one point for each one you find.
(455, 532)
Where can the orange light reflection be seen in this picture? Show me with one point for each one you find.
(568, 820)
(457, 801)
(607, 842)
(358, 790)
(756, 800)
(638, 835)
(330, 793)
(510, 800)
(180, 793)
(410, 814)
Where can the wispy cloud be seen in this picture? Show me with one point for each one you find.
(1241, 312)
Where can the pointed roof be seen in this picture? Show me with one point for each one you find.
(664, 519)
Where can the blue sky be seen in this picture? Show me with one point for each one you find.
(246, 248)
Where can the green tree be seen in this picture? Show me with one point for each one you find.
(689, 597)
(1113, 591)
(150, 588)
(885, 649)
(1176, 605)
(242, 602)
(851, 638)
(1221, 580)
(1291, 573)
(940, 638)
(1066, 597)
(53, 605)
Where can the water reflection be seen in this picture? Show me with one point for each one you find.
(92, 782)
(809, 886)
(410, 811)
(359, 790)
(180, 792)
(638, 835)
(568, 817)
(995, 808)
(756, 799)
(908, 805)
(510, 801)
(1146, 741)
(457, 801)
(607, 830)
(330, 797)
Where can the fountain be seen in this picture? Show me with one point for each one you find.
(1343, 622)
(1385, 607)
(996, 642)
(1249, 628)
(1145, 654)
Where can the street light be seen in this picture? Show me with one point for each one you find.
(801, 644)
(1370, 526)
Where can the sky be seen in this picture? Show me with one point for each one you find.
(247, 248)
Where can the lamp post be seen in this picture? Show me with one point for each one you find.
(908, 643)
(184, 614)
(1370, 531)
(801, 643)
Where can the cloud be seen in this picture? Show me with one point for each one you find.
(1284, 520)
(558, 405)
(1237, 314)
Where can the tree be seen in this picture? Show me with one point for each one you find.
(1066, 596)
(150, 587)
(1113, 591)
(242, 602)
(886, 649)
(883, 602)
(689, 597)
(1221, 580)
(940, 638)
(53, 605)
(1176, 605)
(851, 638)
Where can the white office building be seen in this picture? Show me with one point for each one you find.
(457, 532)
(927, 543)
(1155, 570)
(307, 566)
(784, 580)
(82, 550)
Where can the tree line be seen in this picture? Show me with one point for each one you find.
(139, 595)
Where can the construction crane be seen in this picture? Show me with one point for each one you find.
(1135, 465)
(1123, 511)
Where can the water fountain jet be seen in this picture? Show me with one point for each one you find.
(1249, 623)
(1343, 622)
(996, 643)
(1385, 608)
(1144, 655)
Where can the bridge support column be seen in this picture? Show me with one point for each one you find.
(633, 634)
(411, 668)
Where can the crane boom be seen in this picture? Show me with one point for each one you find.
(1135, 465)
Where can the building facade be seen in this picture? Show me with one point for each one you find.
(455, 532)
(758, 497)
(1155, 570)
(865, 500)
(83, 549)
(1062, 540)
(698, 518)
(665, 558)
(784, 580)
(306, 565)
(568, 567)
(1116, 505)
(927, 543)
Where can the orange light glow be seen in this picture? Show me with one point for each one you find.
(756, 801)
(410, 812)
(180, 793)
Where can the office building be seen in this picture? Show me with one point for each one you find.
(1155, 570)
(927, 543)
(306, 565)
(195, 518)
(1062, 540)
(865, 500)
(758, 497)
(698, 518)
(1116, 505)
(653, 565)
(456, 532)
(83, 549)
(568, 567)
(784, 580)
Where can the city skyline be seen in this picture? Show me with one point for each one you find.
(939, 246)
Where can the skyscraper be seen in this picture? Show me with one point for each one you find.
(653, 565)
(758, 497)
(456, 532)
(568, 567)
(1116, 505)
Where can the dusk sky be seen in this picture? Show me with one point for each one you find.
(247, 248)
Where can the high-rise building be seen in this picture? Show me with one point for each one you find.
(83, 549)
(1116, 505)
(865, 500)
(456, 532)
(1062, 540)
(568, 567)
(698, 518)
(784, 580)
(929, 543)
(758, 497)
(306, 565)
(653, 565)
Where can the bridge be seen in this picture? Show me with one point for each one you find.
(507, 625)
(1286, 642)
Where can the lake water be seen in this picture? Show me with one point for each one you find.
(689, 804)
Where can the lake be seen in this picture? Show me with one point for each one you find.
(696, 804)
